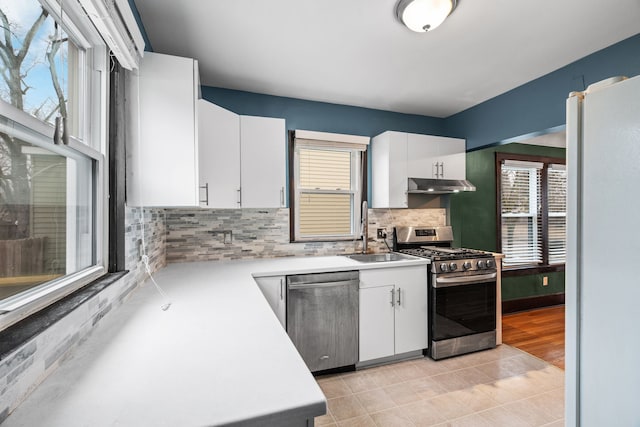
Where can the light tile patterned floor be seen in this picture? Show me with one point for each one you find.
(499, 387)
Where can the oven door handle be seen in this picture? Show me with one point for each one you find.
(443, 282)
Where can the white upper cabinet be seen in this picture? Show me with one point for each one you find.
(389, 170)
(262, 162)
(219, 158)
(177, 159)
(398, 156)
(435, 157)
(242, 159)
(163, 138)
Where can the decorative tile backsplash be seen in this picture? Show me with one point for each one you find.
(200, 235)
(23, 369)
(179, 235)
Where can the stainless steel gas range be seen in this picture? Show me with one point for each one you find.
(462, 291)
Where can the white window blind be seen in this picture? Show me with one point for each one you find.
(326, 196)
(557, 211)
(521, 221)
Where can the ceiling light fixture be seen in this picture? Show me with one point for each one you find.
(424, 15)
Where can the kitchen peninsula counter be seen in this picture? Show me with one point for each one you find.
(217, 356)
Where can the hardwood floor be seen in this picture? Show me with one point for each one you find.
(539, 332)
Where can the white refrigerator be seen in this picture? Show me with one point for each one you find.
(603, 248)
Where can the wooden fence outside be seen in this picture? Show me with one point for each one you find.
(22, 257)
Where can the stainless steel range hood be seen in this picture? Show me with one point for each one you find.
(439, 186)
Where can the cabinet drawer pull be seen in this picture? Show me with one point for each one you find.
(239, 196)
(393, 297)
(399, 293)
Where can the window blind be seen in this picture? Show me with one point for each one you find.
(306, 138)
(325, 169)
(557, 211)
(325, 200)
(521, 214)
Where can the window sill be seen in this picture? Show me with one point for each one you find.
(527, 271)
(23, 331)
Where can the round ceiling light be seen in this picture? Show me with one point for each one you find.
(424, 15)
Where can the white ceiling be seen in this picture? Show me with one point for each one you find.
(355, 52)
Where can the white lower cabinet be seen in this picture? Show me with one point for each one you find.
(377, 326)
(275, 291)
(393, 311)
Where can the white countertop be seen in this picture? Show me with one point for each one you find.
(217, 356)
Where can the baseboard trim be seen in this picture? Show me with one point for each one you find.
(523, 304)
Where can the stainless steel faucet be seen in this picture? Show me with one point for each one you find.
(365, 225)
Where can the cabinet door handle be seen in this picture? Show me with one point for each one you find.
(282, 196)
(239, 196)
(435, 167)
(442, 170)
(393, 298)
(399, 293)
(281, 289)
(205, 187)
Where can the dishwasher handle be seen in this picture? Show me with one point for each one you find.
(323, 284)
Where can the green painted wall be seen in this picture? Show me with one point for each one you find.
(473, 216)
(528, 286)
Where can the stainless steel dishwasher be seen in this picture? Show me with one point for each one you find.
(322, 318)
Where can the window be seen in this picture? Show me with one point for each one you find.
(52, 145)
(327, 186)
(557, 213)
(531, 210)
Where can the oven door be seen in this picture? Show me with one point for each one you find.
(462, 305)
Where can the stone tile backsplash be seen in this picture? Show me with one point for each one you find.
(220, 234)
(179, 235)
(23, 369)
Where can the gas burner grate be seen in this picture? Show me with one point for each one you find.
(439, 253)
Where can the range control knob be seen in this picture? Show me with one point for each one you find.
(482, 265)
(490, 263)
(444, 267)
(453, 266)
(466, 265)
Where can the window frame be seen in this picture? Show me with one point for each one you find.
(546, 161)
(359, 191)
(90, 143)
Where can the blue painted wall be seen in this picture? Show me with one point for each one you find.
(136, 14)
(321, 116)
(540, 104)
(526, 110)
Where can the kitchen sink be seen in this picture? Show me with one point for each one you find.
(388, 257)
